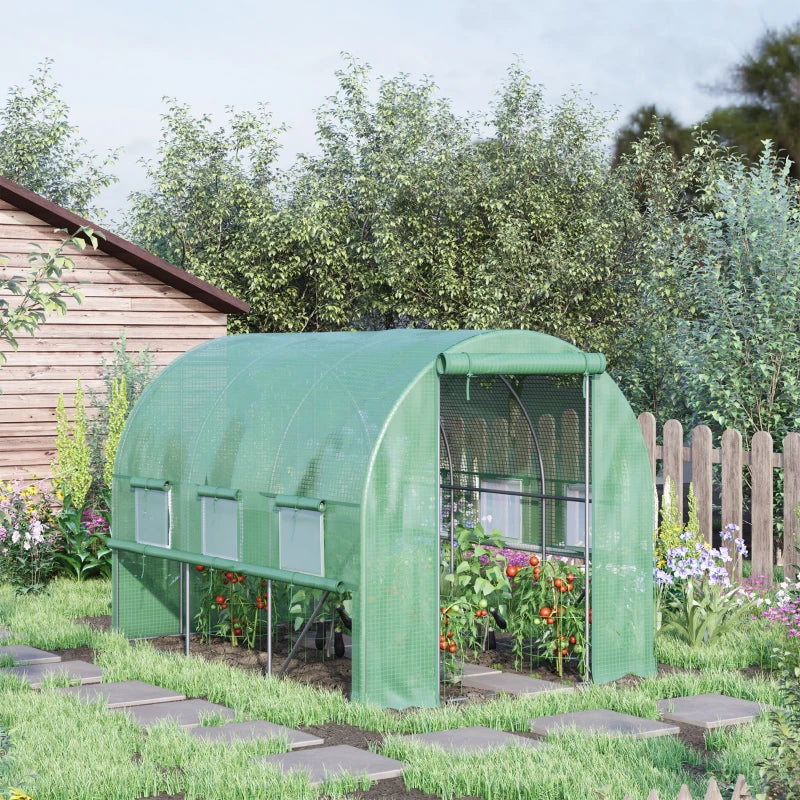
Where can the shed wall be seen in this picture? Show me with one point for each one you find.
(117, 297)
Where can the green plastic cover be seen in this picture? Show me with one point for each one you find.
(623, 525)
(350, 417)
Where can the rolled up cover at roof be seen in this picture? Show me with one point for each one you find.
(574, 363)
(303, 503)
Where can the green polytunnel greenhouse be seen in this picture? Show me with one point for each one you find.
(336, 461)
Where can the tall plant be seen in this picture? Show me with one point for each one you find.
(117, 414)
(72, 472)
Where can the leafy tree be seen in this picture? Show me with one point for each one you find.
(768, 82)
(41, 150)
(739, 260)
(409, 214)
(675, 136)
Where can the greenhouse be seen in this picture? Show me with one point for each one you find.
(343, 462)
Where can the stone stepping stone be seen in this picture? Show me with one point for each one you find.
(122, 694)
(325, 762)
(472, 740)
(709, 710)
(512, 683)
(600, 720)
(476, 670)
(187, 713)
(21, 654)
(257, 729)
(4, 634)
(34, 674)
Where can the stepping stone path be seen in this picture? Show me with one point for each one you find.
(709, 710)
(123, 694)
(22, 654)
(323, 762)
(257, 729)
(472, 740)
(34, 674)
(187, 713)
(512, 683)
(476, 671)
(601, 720)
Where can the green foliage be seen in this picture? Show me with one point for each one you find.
(42, 292)
(675, 137)
(42, 151)
(117, 414)
(779, 769)
(85, 552)
(409, 215)
(72, 469)
(740, 350)
(124, 379)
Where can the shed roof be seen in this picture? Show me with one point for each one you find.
(298, 414)
(125, 251)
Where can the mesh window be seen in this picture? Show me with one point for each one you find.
(220, 527)
(302, 542)
(151, 510)
(521, 434)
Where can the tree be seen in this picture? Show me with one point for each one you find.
(409, 214)
(768, 82)
(41, 150)
(674, 136)
(740, 260)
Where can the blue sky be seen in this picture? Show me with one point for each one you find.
(116, 59)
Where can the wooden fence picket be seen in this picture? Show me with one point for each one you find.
(761, 513)
(731, 457)
(791, 499)
(740, 792)
(673, 457)
(701, 477)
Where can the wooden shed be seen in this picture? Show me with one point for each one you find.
(125, 289)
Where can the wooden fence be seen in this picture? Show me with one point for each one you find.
(761, 460)
(740, 792)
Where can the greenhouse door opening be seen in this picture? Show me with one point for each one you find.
(513, 459)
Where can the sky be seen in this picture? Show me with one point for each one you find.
(117, 59)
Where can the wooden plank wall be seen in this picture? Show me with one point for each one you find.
(761, 460)
(117, 297)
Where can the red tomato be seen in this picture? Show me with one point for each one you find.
(570, 587)
(558, 583)
(452, 648)
(223, 605)
(237, 631)
(219, 599)
(199, 567)
(551, 621)
(443, 645)
(570, 577)
(449, 634)
(544, 611)
(534, 561)
(225, 580)
(512, 571)
(564, 651)
(229, 576)
(563, 588)
(572, 640)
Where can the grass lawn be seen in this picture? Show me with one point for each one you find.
(66, 749)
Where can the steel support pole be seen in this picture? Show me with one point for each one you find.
(269, 628)
(587, 518)
(187, 625)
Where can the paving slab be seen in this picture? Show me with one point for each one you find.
(79, 671)
(323, 762)
(513, 684)
(709, 710)
(187, 713)
(601, 720)
(22, 654)
(476, 670)
(257, 729)
(122, 694)
(472, 740)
